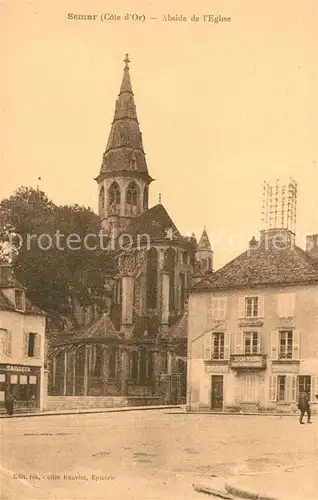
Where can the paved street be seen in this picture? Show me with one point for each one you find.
(144, 454)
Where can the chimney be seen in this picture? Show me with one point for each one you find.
(277, 238)
(253, 242)
(5, 273)
(312, 245)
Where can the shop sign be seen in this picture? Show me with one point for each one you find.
(15, 368)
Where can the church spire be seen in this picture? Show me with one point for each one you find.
(204, 253)
(124, 151)
(126, 83)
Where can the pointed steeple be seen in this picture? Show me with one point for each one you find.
(124, 151)
(204, 255)
(204, 243)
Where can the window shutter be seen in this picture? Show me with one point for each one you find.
(259, 342)
(273, 388)
(227, 340)
(274, 345)
(241, 307)
(38, 345)
(26, 345)
(296, 344)
(223, 307)
(239, 348)
(291, 305)
(293, 388)
(216, 308)
(207, 346)
(280, 305)
(314, 388)
(261, 301)
(8, 343)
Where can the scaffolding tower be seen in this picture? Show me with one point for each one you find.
(279, 205)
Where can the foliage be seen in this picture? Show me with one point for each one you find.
(53, 271)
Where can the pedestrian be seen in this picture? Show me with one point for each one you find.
(304, 406)
(9, 402)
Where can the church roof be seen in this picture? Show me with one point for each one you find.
(204, 243)
(124, 151)
(155, 222)
(263, 265)
(103, 328)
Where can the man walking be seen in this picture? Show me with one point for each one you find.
(9, 402)
(304, 407)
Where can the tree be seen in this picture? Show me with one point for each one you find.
(50, 255)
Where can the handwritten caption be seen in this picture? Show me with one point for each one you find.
(141, 18)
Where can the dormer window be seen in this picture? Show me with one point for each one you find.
(19, 300)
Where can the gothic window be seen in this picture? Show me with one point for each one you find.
(143, 365)
(98, 360)
(112, 364)
(170, 265)
(134, 365)
(182, 291)
(137, 296)
(152, 278)
(102, 199)
(145, 200)
(132, 199)
(114, 199)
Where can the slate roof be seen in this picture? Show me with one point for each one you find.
(101, 329)
(124, 151)
(260, 266)
(7, 305)
(204, 243)
(154, 222)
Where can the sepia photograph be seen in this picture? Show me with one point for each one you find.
(158, 250)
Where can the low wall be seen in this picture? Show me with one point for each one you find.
(55, 403)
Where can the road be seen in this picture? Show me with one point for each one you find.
(143, 454)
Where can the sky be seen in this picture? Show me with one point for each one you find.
(222, 106)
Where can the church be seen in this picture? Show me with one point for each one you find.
(136, 347)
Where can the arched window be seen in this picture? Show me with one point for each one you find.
(170, 266)
(132, 199)
(114, 199)
(182, 296)
(152, 278)
(102, 199)
(145, 200)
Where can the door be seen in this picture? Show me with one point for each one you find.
(217, 392)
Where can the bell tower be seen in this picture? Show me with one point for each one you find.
(123, 181)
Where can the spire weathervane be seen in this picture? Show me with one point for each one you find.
(126, 61)
(160, 198)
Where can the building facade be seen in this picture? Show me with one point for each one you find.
(253, 329)
(22, 337)
(136, 345)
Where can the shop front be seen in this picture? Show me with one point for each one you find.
(24, 382)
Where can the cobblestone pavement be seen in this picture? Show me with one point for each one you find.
(144, 455)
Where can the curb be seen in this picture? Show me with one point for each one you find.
(88, 411)
(200, 488)
(247, 494)
(221, 413)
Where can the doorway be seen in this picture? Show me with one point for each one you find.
(217, 392)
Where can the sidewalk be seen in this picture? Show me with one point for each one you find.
(88, 410)
(298, 483)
